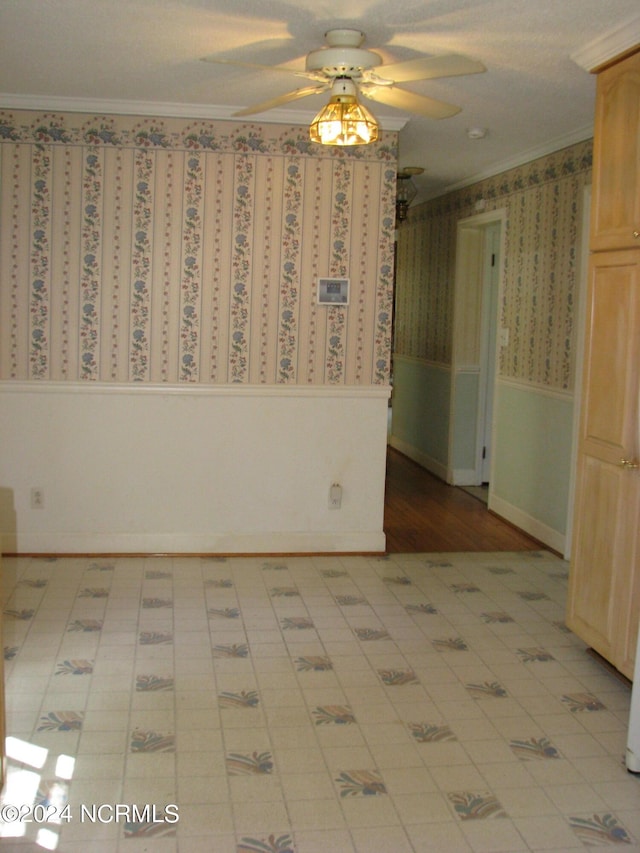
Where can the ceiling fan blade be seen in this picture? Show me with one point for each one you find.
(309, 75)
(403, 100)
(430, 68)
(283, 99)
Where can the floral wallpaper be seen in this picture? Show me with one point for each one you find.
(162, 250)
(543, 204)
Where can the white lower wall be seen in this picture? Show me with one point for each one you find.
(420, 420)
(464, 428)
(169, 469)
(532, 457)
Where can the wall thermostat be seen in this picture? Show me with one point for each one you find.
(333, 291)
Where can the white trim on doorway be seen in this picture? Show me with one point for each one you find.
(475, 340)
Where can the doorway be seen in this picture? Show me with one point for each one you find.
(476, 343)
(488, 351)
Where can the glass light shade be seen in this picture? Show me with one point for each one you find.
(343, 121)
(405, 194)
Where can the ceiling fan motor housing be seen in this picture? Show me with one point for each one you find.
(343, 56)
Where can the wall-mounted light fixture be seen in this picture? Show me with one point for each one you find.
(344, 121)
(406, 190)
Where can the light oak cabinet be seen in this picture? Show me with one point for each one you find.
(615, 211)
(604, 585)
(604, 582)
(3, 768)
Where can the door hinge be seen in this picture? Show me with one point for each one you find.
(484, 452)
(493, 260)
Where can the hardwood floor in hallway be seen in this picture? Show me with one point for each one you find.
(424, 514)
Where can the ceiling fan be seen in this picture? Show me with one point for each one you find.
(346, 68)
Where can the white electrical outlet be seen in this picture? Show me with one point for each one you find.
(37, 498)
(335, 496)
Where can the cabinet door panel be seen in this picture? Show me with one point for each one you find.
(610, 401)
(3, 759)
(603, 587)
(615, 212)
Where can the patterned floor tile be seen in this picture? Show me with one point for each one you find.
(360, 783)
(151, 741)
(470, 805)
(351, 698)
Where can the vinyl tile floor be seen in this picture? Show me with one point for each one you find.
(417, 702)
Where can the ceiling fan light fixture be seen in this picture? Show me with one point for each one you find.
(344, 120)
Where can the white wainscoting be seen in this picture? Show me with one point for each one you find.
(421, 408)
(532, 458)
(175, 469)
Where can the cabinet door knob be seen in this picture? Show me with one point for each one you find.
(630, 463)
(636, 234)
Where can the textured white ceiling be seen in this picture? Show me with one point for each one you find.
(534, 96)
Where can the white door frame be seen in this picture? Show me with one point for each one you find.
(489, 347)
(471, 323)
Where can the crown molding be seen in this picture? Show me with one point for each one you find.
(528, 156)
(608, 46)
(168, 110)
